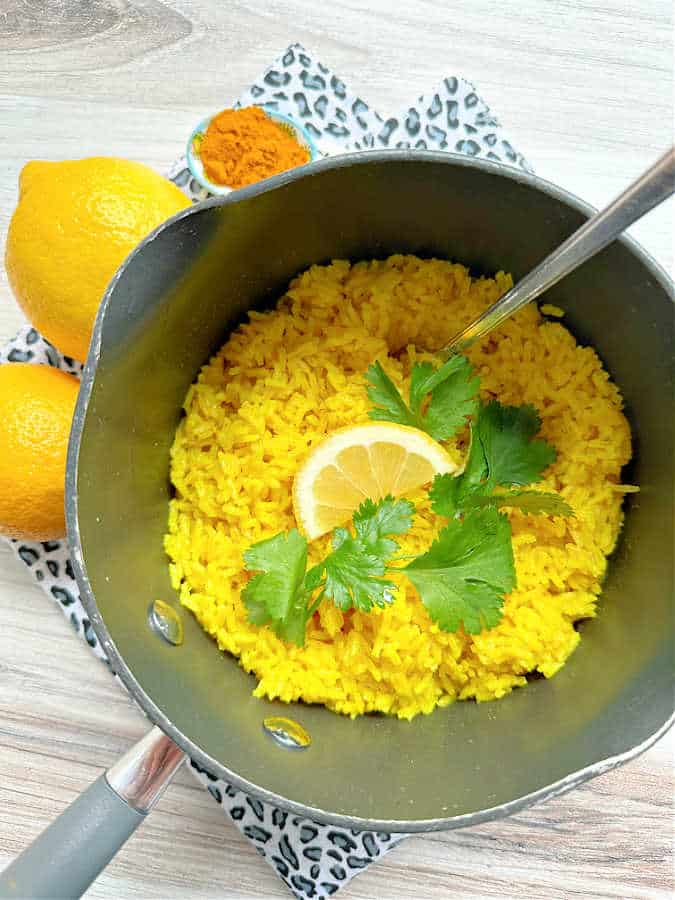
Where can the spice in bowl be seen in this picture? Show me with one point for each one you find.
(242, 146)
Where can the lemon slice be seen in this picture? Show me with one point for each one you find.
(361, 462)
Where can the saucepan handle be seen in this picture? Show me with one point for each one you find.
(64, 860)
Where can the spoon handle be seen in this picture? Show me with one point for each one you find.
(648, 191)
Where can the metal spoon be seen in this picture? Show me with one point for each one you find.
(652, 188)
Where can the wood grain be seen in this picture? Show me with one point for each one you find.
(585, 89)
(115, 32)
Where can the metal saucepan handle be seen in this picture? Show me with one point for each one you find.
(652, 188)
(64, 860)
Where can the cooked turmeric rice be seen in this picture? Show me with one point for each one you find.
(287, 379)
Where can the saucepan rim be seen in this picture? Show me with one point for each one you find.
(116, 658)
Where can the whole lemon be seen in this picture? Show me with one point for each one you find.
(36, 409)
(75, 222)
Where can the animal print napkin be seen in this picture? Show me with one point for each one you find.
(312, 859)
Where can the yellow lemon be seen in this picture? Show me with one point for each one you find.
(364, 461)
(75, 222)
(36, 410)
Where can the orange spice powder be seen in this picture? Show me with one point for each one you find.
(242, 146)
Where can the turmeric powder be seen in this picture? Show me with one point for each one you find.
(242, 146)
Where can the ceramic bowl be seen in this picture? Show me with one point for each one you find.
(197, 169)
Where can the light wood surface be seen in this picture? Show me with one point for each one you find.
(585, 88)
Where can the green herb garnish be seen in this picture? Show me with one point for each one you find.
(452, 391)
(464, 575)
(277, 596)
(533, 503)
(503, 448)
(352, 575)
(503, 453)
(354, 570)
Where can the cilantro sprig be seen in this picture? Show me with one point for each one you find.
(504, 449)
(452, 390)
(354, 570)
(278, 594)
(504, 453)
(532, 503)
(351, 575)
(463, 577)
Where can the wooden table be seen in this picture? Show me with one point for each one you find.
(585, 88)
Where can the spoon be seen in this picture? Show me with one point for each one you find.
(652, 188)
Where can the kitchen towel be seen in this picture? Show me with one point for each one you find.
(312, 859)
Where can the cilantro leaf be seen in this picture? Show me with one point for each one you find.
(453, 397)
(464, 575)
(505, 442)
(424, 378)
(277, 595)
(533, 503)
(354, 575)
(372, 521)
(355, 568)
(447, 493)
(475, 469)
(351, 575)
(389, 405)
(502, 453)
(450, 495)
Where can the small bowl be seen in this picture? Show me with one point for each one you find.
(197, 169)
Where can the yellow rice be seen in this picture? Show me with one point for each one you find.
(288, 378)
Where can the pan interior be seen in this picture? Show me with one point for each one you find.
(173, 305)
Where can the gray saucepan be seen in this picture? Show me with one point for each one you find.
(168, 308)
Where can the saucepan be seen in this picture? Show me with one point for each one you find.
(169, 307)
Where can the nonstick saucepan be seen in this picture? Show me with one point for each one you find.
(169, 307)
